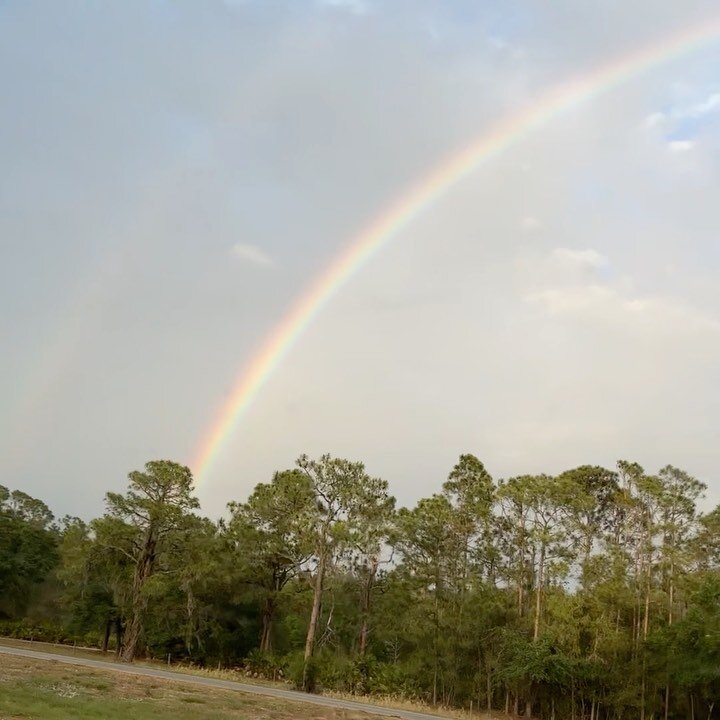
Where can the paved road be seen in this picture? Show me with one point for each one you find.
(291, 695)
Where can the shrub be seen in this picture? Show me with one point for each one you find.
(42, 631)
(265, 665)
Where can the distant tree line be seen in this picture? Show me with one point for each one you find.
(591, 595)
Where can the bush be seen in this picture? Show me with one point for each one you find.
(320, 671)
(296, 671)
(265, 665)
(43, 631)
(360, 675)
(393, 680)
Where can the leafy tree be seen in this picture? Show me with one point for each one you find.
(155, 504)
(590, 595)
(92, 578)
(369, 533)
(28, 552)
(343, 494)
(270, 536)
(694, 649)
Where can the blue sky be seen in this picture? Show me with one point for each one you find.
(176, 173)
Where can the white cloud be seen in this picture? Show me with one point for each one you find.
(251, 254)
(710, 104)
(612, 302)
(530, 223)
(683, 119)
(548, 277)
(678, 146)
(655, 119)
(587, 259)
(612, 305)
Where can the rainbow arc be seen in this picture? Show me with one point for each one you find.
(406, 208)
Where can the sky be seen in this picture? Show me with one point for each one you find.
(176, 174)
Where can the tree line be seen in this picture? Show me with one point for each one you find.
(593, 594)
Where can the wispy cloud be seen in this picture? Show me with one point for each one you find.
(681, 123)
(251, 254)
(613, 305)
(530, 223)
(679, 146)
(694, 111)
(586, 259)
(710, 104)
(612, 301)
(655, 119)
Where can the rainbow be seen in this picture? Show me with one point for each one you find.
(405, 209)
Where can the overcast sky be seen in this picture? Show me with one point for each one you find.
(174, 174)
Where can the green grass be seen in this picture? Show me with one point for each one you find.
(57, 649)
(95, 654)
(47, 690)
(193, 699)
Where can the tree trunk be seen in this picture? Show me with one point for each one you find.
(190, 634)
(118, 637)
(521, 566)
(642, 693)
(670, 622)
(436, 635)
(106, 638)
(528, 708)
(635, 626)
(314, 619)
(587, 550)
(538, 592)
(267, 625)
(365, 602)
(132, 636)
(489, 689)
(143, 570)
(646, 624)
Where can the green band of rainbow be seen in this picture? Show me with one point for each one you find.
(406, 208)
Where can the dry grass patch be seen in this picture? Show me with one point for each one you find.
(309, 711)
(47, 690)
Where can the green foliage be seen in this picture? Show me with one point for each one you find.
(303, 673)
(27, 549)
(38, 630)
(595, 591)
(266, 665)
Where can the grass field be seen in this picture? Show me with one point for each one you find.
(306, 712)
(56, 649)
(46, 690)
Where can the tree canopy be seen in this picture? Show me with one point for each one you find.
(594, 593)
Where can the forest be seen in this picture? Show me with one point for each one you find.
(590, 595)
